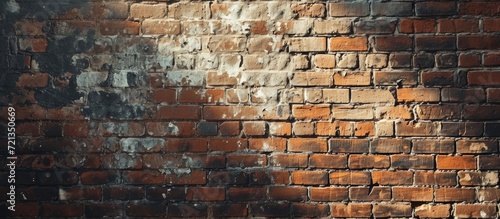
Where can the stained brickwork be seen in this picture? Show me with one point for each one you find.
(287, 109)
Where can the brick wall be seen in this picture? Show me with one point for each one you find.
(252, 108)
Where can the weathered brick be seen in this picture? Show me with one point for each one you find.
(392, 178)
(307, 144)
(310, 210)
(311, 112)
(355, 8)
(412, 194)
(310, 178)
(433, 211)
(328, 194)
(433, 8)
(288, 193)
(308, 44)
(350, 178)
(375, 26)
(455, 195)
(458, 25)
(337, 26)
(368, 161)
(142, 11)
(412, 162)
(436, 178)
(392, 210)
(372, 96)
(328, 161)
(351, 210)
(370, 194)
(381, 8)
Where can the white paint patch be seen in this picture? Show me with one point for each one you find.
(63, 195)
(483, 214)
(91, 79)
(173, 129)
(13, 6)
(120, 79)
(164, 195)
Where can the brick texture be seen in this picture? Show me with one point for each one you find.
(251, 109)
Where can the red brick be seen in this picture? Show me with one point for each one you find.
(144, 177)
(395, 77)
(178, 112)
(492, 58)
(436, 78)
(370, 194)
(392, 210)
(186, 145)
(119, 28)
(267, 145)
(123, 193)
(361, 78)
(392, 178)
(393, 43)
(418, 95)
(466, 162)
(274, 177)
(195, 95)
(434, 8)
(307, 144)
(328, 161)
(469, 60)
(491, 25)
(353, 9)
(297, 194)
(229, 128)
(310, 210)
(247, 194)
(288, 160)
(227, 144)
(483, 77)
(33, 45)
(303, 177)
(254, 128)
(182, 129)
(350, 178)
(476, 211)
(328, 194)
(352, 210)
(245, 113)
(478, 178)
(479, 8)
(489, 162)
(433, 211)
(348, 44)
(62, 210)
(390, 145)
(435, 178)
(368, 161)
(311, 112)
(270, 210)
(417, 26)
(337, 128)
(76, 129)
(455, 195)
(418, 162)
(473, 42)
(29, 27)
(412, 194)
(458, 25)
(206, 194)
(29, 210)
(33, 80)
(493, 95)
(246, 160)
(476, 146)
(356, 146)
(432, 43)
(230, 210)
(145, 209)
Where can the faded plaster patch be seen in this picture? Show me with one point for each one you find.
(12, 6)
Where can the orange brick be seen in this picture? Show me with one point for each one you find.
(418, 95)
(309, 177)
(311, 112)
(348, 44)
(307, 144)
(465, 162)
(328, 194)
